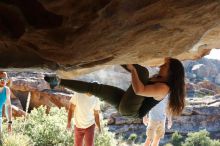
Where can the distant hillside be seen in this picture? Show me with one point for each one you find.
(203, 69)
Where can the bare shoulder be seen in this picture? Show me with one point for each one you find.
(163, 90)
(162, 86)
(7, 89)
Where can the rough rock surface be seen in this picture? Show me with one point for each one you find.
(72, 35)
(202, 77)
(202, 88)
(32, 84)
(202, 69)
(198, 115)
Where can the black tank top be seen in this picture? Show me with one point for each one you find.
(147, 105)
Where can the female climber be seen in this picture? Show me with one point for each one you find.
(143, 94)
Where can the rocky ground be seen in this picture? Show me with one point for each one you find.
(199, 114)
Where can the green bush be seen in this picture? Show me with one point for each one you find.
(176, 139)
(200, 138)
(45, 129)
(105, 138)
(17, 140)
(132, 137)
(215, 143)
(169, 144)
(41, 129)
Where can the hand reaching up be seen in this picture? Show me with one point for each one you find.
(130, 67)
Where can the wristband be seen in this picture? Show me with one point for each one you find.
(9, 122)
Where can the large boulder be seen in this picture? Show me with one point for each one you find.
(209, 85)
(32, 85)
(202, 69)
(71, 37)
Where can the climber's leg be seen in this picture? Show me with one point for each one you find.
(107, 93)
(130, 102)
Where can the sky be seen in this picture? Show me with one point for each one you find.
(214, 54)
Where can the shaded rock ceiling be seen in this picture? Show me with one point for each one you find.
(70, 36)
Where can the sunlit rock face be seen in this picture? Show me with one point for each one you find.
(33, 85)
(71, 37)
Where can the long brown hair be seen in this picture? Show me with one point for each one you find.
(176, 82)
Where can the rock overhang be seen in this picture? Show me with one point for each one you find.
(76, 37)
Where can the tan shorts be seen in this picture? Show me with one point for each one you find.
(155, 128)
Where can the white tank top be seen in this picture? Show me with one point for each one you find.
(158, 112)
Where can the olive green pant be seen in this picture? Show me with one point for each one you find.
(126, 102)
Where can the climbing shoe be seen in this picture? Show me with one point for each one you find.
(52, 79)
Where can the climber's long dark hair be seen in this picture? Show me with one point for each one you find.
(176, 82)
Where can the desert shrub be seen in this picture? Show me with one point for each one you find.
(168, 144)
(215, 143)
(176, 139)
(16, 140)
(41, 129)
(132, 137)
(45, 129)
(200, 138)
(105, 138)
